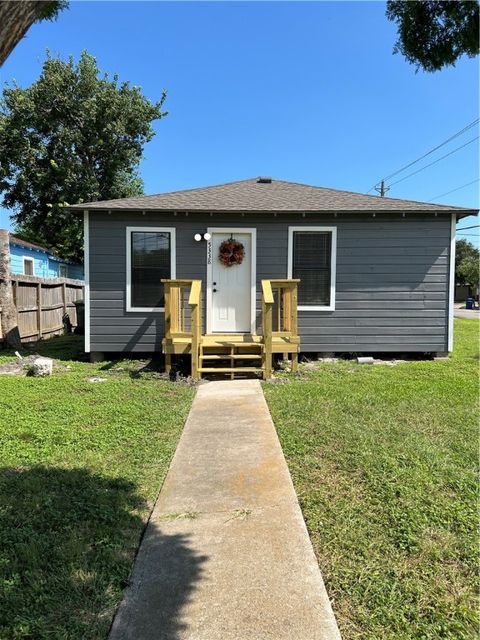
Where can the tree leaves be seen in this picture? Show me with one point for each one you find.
(468, 269)
(73, 136)
(467, 258)
(433, 34)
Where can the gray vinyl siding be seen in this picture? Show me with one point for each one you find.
(391, 285)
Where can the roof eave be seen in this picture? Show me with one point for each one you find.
(460, 211)
(30, 247)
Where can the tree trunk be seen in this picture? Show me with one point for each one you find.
(8, 313)
(15, 20)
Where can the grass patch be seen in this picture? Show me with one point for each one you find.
(384, 461)
(81, 464)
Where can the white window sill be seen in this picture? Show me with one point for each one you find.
(316, 308)
(146, 309)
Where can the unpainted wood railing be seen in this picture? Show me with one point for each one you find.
(267, 327)
(280, 296)
(195, 302)
(181, 296)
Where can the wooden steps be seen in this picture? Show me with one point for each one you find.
(235, 356)
(230, 339)
(231, 370)
(230, 353)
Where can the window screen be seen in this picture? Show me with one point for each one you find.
(312, 252)
(151, 252)
(28, 267)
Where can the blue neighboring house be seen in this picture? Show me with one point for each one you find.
(31, 259)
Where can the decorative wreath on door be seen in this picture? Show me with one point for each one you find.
(231, 252)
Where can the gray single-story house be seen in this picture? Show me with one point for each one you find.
(269, 265)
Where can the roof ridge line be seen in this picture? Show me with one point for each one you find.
(208, 186)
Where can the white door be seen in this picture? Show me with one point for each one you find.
(231, 287)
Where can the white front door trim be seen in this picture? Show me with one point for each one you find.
(253, 270)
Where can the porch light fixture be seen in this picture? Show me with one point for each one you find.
(206, 236)
(198, 237)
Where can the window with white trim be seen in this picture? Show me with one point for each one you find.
(150, 258)
(28, 266)
(312, 259)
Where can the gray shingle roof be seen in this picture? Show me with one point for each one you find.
(255, 196)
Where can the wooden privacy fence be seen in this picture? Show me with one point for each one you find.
(44, 306)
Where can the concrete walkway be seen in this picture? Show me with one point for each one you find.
(226, 554)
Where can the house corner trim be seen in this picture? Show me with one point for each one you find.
(451, 282)
(86, 260)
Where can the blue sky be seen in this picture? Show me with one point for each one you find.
(302, 91)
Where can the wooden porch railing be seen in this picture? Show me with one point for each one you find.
(281, 296)
(195, 302)
(183, 321)
(179, 295)
(267, 326)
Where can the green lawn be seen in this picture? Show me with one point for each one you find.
(81, 463)
(384, 460)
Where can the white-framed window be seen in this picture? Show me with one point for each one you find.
(62, 270)
(28, 267)
(312, 257)
(150, 257)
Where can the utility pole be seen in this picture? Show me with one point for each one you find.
(382, 189)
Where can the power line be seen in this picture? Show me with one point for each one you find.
(474, 226)
(467, 184)
(455, 135)
(434, 162)
(442, 144)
